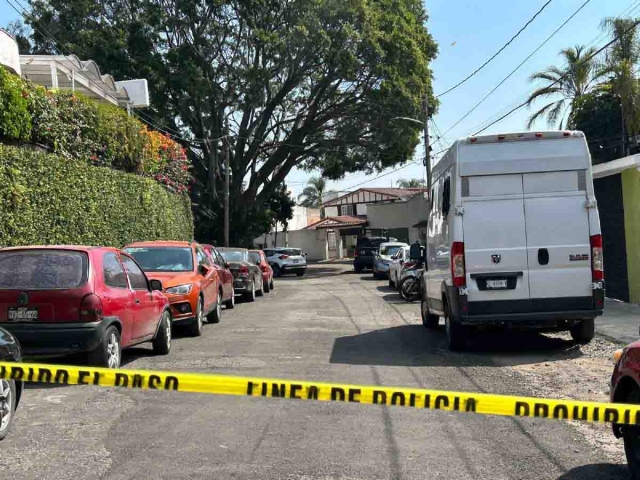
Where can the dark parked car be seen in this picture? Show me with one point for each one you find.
(10, 390)
(625, 388)
(247, 276)
(70, 299)
(366, 249)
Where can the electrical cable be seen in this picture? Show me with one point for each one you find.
(497, 53)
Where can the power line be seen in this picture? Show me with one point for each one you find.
(597, 52)
(518, 67)
(498, 52)
(383, 175)
(514, 105)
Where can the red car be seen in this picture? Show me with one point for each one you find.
(225, 275)
(625, 388)
(260, 259)
(69, 299)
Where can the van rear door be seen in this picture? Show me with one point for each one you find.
(495, 239)
(558, 238)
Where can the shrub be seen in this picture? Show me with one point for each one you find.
(75, 127)
(15, 120)
(48, 200)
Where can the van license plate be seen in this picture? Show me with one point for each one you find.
(23, 314)
(497, 284)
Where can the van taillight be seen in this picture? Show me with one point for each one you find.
(243, 271)
(457, 264)
(597, 259)
(90, 308)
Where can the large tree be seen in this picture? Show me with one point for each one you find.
(311, 84)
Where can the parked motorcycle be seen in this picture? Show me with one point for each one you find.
(409, 285)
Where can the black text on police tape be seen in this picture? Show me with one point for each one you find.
(379, 397)
(90, 377)
(576, 412)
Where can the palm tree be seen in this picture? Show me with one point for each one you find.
(621, 59)
(578, 76)
(412, 183)
(313, 192)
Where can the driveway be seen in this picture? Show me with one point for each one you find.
(330, 325)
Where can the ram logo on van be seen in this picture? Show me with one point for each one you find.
(496, 258)
(578, 257)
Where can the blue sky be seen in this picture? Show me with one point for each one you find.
(468, 32)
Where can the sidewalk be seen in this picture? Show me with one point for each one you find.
(620, 321)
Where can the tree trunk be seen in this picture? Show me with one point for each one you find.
(275, 237)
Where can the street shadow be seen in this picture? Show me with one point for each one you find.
(371, 278)
(413, 346)
(132, 354)
(599, 471)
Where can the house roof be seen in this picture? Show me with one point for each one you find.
(371, 195)
(337, 222)
(616, 166)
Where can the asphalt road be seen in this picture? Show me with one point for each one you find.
(330, 325)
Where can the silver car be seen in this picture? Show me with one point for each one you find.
(286, 260)
(383, 258)
(398, 261)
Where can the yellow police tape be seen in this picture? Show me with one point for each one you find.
(480, 403)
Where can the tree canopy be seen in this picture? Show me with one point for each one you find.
(312, 193)
(309, 84)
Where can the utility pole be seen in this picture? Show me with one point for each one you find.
(427, 153)
(226, 184)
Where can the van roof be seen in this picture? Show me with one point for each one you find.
(521, 136)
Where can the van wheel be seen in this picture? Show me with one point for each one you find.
(584, 331)
(109, 353)
(162, 341)
(456, 333)
(429, 321)
(631, 436)
(8, 398)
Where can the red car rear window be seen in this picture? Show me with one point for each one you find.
(42, 269)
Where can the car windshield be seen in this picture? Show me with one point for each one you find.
(234, 255)
(390, 249)
(42, 269)
(255, 257)
(163, 259)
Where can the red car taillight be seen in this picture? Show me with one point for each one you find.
(597, 259)
(243, 271)
(264, 268)
(90, 308)
(283, 257)
(457, 265)
(356, 253)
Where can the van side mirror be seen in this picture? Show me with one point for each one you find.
(156, 285)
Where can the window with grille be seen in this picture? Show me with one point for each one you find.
(348, 210)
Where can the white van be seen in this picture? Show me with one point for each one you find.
(514, 237)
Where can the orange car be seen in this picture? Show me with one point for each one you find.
(189, 280)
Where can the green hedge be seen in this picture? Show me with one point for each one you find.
(47, 200)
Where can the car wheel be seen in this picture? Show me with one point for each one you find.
(429, 321)
(162, 340)
(299, 274)
(267, 287)
(195, 329)
(231, 303)
(216, 315)
(357, 268)
(584, 331)
(260, 292)
(276, 271)
(8, 396)
(456, 334)
(250, 296)
(109, 353)
(271, 284)
(391, 283)
(631, 437)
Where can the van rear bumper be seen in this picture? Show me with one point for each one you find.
(551, 313)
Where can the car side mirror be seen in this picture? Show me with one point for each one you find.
(156, 285)
(203, 270)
